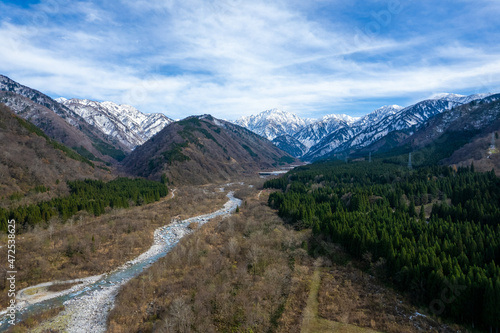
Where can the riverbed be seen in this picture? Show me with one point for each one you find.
(88, 303)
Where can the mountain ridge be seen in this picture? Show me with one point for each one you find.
(341, 134)
(54, 118)
(123, 122)
(50, 163)
(201, 149)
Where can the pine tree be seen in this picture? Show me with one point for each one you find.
(422, 213)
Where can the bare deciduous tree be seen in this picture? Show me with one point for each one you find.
(180, 317)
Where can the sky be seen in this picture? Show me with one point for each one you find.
(231, 58)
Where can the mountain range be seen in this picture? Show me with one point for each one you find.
(151, 145)
(463, 135)
(201, 149)
(101, 130)
(59, 122)
(124, 123)
(105, 135)
(336, 135)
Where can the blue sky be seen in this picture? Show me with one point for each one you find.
(233, 57)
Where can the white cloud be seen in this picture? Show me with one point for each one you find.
(230, 58)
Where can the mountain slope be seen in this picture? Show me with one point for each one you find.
(122, 122)
(52, 124)
(273, 123)
(331, 142)
(465, 134)
(315, 132)
(31, 161)
(47, 114)
(203, 149)
(290, 145)
(392, 125)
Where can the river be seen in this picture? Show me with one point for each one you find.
(87, 306)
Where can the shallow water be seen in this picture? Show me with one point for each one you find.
(166, 238)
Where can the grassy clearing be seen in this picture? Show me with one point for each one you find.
(312, 323)
(310, 314)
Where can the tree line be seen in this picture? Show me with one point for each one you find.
(93, 196)
(372, 208)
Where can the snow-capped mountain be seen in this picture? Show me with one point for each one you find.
(471, 117)
(377, 125)
(273, 123)
(315, 132)
(292, 133)
(340, 134)
(37, 97)
(462, 99)
(122, 122)
(377, 115)
(58, 121)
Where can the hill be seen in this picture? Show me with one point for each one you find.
(32, 163)
(59, 122)
(203, 149)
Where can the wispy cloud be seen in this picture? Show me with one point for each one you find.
(232, 57)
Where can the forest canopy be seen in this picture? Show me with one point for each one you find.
(380, 209)
(93, 196)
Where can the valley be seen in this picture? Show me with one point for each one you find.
(119, 225)
(208, 279)
(87, 305)
(266, 166)
(104, 244)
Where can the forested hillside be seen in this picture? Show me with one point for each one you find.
(434, 230)
(203, 149)
(93, 196)
(34, 167)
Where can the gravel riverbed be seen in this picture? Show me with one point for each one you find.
(89, 312)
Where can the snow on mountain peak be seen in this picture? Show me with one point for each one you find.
(123, 122)
(340, 117)
(462, 99)
(446, 96)
(273, 123)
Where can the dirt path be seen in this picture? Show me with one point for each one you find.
(312, 323)
(311, 311)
